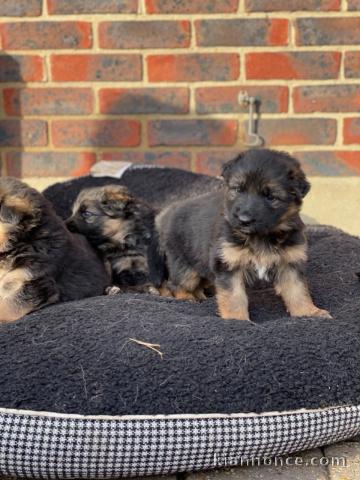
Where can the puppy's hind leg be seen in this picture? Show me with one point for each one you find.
(186, 285)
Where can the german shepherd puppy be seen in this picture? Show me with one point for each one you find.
(120, 227)
(250, 229)
(41, 262)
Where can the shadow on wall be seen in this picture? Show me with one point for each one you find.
(150, 126)
(12, 133)
(140, 125)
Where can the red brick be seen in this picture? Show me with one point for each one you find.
(71, 7)
(328, 31)
(211, 162)
(166, 159)
(194, 67)
(48, 101)
(140, 34)
(96, 133)
(297, 131)
(23, 133)
(330, 163)
(192, 132)
(191, 6)
(242, 32)
(20, 8)
(353, 5)
(96, 68)
(352, 130)
(144, 100)
(293, 65)
(46, 35)
(21, 68)
(225, 99)
(48, 164)
(352, 64)
(291, 5)
(327, 98)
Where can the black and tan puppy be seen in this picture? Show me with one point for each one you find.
(250, 229)
(120, 227)
(41, 262)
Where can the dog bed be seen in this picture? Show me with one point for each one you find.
(135, 385)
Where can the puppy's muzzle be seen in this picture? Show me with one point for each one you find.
(244, 219)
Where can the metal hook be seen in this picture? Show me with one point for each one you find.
(254, 139)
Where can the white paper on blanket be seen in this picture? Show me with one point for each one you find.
(115, 169)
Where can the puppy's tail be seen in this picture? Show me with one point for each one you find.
(158, 272)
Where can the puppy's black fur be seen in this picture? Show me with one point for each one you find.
(41, 262)
(250, 229)
(121, 228)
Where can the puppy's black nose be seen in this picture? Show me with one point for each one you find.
(245, 219)
(71, 225)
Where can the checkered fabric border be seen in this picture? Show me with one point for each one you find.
(45, 445)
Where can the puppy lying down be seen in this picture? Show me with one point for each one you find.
(121, 228)
(250, 229)
(41, 262)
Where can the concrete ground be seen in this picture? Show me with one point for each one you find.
(334, 201)
(331, 201)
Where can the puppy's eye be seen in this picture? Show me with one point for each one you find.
(86, 214)
(267, 194)
(238, 188)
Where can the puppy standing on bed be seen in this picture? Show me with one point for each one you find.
(250, 229)
(41, 262)
(120, 227)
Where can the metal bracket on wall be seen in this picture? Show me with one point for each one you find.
(254, 139)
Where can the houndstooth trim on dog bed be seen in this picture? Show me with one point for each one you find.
(47, 445)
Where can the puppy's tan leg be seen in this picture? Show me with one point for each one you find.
(9, 311)
(182, 294)
(20, 294)
(295, 293)
(165, 291)
(200, 294)
(232, 301)
(11, 308)
(188, 287)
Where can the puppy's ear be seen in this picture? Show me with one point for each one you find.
(115, 199)
(228, 167)
(23, 210)
(300, 183)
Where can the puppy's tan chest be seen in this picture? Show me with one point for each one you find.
(261, 262)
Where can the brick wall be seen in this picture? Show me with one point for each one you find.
(157, 81)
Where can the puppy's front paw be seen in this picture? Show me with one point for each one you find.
(319, 312)
(312, 311)
(181, 294)
(112, 290)
(238, 315)
(153, 290)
